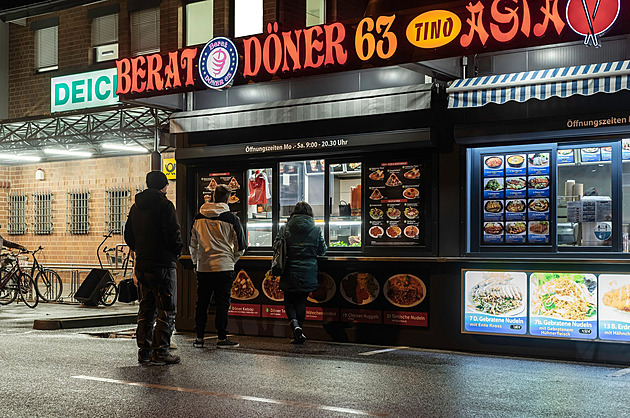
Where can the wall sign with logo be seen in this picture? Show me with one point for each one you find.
(85, 90)
(426, 33)
(169, 168)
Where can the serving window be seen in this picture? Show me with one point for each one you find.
(361, 205)
(547, 197)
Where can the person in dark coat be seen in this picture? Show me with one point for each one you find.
(305, 242)
(152, 232)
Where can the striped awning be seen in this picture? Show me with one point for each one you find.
(585, 80)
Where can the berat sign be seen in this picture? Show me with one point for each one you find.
(426, 33)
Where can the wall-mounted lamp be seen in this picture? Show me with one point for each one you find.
(39, 174)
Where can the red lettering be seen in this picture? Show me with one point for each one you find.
(293, 50)
(138, 73)
(123, 67)
(154, 65)
(277, 49)
(525, 27)
(171, 72)
(550, 15)
(312, 44)
(188, 55)
(333, 44)
(435, 29)
(476, 11)
(448, 27)
(418, 30)
(511, 16)
(248, 68)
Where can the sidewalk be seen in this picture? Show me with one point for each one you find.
(51, 316)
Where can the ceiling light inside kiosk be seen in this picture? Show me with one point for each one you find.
(122, 147)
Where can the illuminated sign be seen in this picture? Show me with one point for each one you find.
(592, 18)
(82, 91)
(425, 33)
(156, 72)
(218, 63)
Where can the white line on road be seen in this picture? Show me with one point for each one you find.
(385, 350)
(620, 372)
(232, 396)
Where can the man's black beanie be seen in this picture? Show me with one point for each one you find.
(156, 180)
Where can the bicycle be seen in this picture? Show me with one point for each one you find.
(17, 281)
(48, 284)
(109, 292)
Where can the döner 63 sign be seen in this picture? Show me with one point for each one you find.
(413, 35)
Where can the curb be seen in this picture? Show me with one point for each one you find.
(85, 321)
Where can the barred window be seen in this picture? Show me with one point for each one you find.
(116, 208)
(16, 202)
(42, 213)
(78, 212)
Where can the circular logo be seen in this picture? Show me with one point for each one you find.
(218, 63)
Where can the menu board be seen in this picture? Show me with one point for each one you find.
(565, 156)
(583, 306)
(372, 297)
(394, 204)
(210, 181)
(516, 198)
(625, 149)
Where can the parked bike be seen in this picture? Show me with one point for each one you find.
(16, 281)
(47, 282)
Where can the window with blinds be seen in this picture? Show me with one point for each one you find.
(105, 30)
(42, 213)
(78, 212)
(46, 49)
(116, 209)
(145, 31)
(248, 17)
(16, 202)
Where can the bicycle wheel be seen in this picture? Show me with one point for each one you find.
(48, 284)
(27, 290)
(109, 294)
(8, 293)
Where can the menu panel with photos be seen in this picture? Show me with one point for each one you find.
(580, 306)
(210, 181)
(394, 203)
(516, 198)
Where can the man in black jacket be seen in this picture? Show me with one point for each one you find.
(152, 232)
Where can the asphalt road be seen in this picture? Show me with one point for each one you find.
(78, 373)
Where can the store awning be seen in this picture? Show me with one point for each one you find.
(345, 105)
(584, 80)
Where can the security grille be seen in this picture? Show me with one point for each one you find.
(78, 212)
(117, 208)
(42, 213)
(16, 201)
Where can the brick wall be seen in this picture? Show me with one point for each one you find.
(93, 174)
(292, 14)
(29, 92)
(339, 10)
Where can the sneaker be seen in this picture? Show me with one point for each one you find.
(144, 356)
(165, 358)
(226, 343)
(297, 332)
(198, 343)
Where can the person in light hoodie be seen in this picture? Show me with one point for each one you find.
(217, 241)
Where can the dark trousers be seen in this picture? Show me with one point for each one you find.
(157, 290)
(219, 282)
(295, 305)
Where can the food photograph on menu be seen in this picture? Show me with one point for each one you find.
(404, 290)
(495, 302)
(614, 307)
(210, 182)
(243, 288)
(359, 288)
(563, 305)
(394, 204)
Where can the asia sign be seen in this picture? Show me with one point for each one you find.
(85, 90)
(412, 35)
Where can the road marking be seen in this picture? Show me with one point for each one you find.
(385, 350)
(232, 396)
(620, 372)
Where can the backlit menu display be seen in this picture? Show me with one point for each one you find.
(580, 306)
(516, 198)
